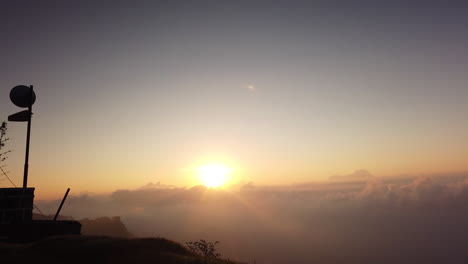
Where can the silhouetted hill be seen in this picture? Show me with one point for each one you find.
(94, 249)
(104, 226)
(101, 226)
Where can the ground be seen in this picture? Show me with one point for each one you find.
(99, 249)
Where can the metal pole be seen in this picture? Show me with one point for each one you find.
(61, 204)
(28, 135)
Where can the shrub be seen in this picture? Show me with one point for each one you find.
(204, 248)
(3, 139)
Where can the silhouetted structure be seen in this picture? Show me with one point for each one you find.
(16, 223)
(16, 204)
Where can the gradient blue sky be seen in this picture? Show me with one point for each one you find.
(131, 92)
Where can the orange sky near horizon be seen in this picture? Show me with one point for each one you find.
(281, 93)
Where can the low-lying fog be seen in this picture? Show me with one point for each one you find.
(354, 219)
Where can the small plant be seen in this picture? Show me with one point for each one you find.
(204, 248)
(3, 139)
(3, 153)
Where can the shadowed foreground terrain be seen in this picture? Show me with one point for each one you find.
(95, 249)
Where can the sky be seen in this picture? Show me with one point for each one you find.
(283, 92)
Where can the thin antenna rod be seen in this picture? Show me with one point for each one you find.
(61, 204)
(28, 136)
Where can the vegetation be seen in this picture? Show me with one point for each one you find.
(3, 139)
(3, 153)
(204, 248)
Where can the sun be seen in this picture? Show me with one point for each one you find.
(213, 175)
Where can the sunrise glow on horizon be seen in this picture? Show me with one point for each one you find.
(292, 92)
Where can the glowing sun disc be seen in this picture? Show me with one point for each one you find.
(213, 175)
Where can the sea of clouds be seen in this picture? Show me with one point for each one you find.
(356, 218)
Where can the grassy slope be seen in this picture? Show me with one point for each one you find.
(93, 249)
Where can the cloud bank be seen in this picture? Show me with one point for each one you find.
(405, 220)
